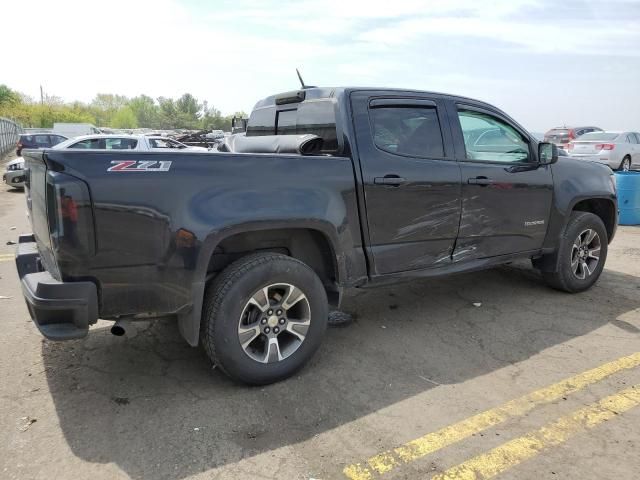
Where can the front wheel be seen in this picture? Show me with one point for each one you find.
(264, 318)
(581, 254)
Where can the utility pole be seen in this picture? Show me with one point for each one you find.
(42, 109)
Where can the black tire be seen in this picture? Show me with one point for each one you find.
(565, 278)
(627, 160)
(224, 305)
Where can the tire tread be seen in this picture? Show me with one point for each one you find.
(217, 290)
(558, 280)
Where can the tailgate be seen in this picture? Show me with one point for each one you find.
(60, 213)
(35, 190)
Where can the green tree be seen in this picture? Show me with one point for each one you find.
(105, 105)
(124, 118)
(146, 111)
(211, 117)
(168, 112)
(108, 109)
(8, 97)
(188, 111)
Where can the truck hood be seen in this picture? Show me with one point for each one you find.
(585, 165)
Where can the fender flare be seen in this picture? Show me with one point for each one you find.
(189, 321)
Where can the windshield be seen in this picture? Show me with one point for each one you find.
(599, 136)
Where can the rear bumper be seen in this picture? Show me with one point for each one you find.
(60, 310)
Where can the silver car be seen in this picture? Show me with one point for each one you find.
(14, 174)
(619, 150)
(126, 142)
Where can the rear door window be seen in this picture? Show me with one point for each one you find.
(412, 131)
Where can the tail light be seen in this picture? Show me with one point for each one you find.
(19, 144)
(572, 134)
(70, 218)
(605, 146)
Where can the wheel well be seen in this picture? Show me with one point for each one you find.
(309, 246)
(603, 208)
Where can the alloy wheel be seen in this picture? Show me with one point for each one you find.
(585, 254)
(274, 323)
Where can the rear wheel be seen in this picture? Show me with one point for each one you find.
(264, 317)
(581, 254)
(625, 166)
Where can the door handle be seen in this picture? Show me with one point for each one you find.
(483, 181)
(392, 180)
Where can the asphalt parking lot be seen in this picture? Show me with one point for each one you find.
(483, 375)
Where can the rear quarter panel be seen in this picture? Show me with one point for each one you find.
(155, 231)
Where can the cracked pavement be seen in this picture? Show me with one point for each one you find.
(417, 357)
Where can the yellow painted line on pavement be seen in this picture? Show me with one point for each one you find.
(512, 453)
(5, 257)
(434, 441)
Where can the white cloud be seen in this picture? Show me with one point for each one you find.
(235, 52)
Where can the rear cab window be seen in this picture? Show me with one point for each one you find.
(316, 116)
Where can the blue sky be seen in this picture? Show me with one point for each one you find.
(546, 63)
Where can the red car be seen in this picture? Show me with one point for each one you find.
(562, 136)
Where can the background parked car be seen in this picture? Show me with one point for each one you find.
(561, 136)
(126, 142)
(14, 174)
(619, 150)
(38, 140)
(71, 130)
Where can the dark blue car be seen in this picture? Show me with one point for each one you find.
(38, 140)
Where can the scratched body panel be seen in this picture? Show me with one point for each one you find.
(413, 225)
(507, 216)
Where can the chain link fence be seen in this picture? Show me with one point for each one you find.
(9, 132)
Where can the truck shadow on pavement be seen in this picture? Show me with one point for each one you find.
(151, 404)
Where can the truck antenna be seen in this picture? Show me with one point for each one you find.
(300, 78)
(304, 87)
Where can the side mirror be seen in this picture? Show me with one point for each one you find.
(547, 153)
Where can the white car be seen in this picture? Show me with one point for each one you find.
(14, 174)
(126, 142)
(619, 150)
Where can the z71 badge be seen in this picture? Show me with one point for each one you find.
(143, 166)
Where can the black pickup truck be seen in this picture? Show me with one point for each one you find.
(329, 189)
